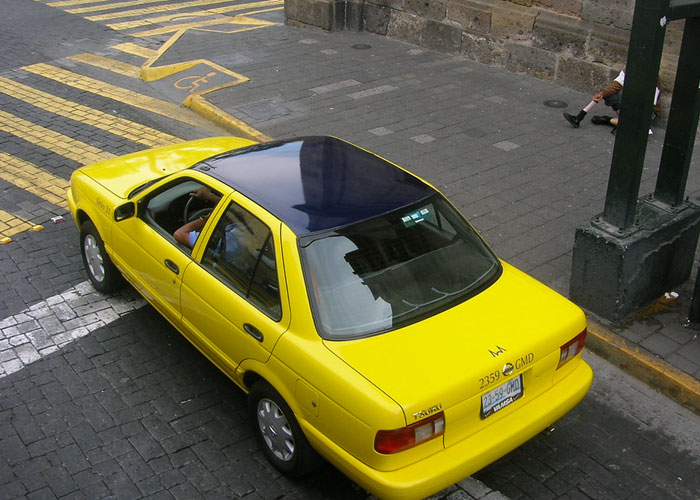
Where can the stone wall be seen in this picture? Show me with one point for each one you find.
(581, 44)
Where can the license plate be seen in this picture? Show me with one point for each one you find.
(498, 398)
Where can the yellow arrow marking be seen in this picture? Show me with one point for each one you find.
(54, 141)
(119, 94)
(98, 119)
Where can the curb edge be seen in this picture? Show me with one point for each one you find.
(653, 371)
(200, 106)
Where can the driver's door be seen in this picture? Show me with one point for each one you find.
(146, 251)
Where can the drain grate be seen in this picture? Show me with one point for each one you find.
(554, 103)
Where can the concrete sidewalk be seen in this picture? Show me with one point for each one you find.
(491, 140)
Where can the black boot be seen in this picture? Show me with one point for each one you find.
(575, 120)
(601, 120)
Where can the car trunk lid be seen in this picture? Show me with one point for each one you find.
(451, 359)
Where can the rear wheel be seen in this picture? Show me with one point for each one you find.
(278, 432)
(104, 276)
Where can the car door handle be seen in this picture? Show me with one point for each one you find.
(254, 332)
(172, 266)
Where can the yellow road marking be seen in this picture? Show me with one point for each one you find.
(126, 96)
(70, 3)
(135, 50)
(199, 13)
(178, 6)
(121, 68)
(240, 19)
(11, 224)
(203, 107)
(63, 145)
(656, 372)
(98, 119)
(116, 5)
(34, 180)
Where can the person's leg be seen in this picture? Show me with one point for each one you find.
(576, 120)
(614, 102)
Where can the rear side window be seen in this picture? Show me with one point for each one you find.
(241, 254)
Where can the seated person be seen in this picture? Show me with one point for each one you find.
(188, 233)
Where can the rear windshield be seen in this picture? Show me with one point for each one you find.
(394, 270)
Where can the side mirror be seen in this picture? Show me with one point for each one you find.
(124, 211)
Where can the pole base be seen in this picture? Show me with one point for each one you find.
(615, 273)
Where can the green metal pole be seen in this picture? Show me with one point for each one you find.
(643, 62)
(682, 119)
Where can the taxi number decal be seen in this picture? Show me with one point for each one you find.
(102, 206)
(489, 379)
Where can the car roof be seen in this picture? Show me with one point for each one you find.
(316, 183)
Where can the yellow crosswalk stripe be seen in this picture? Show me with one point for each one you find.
(173, 7)
(135, 50)
(63, 145)
(119, 67)
(70, 3)
(119, 94)
(104, 121)
(34, 180)
(173, 14)
(241, 19)
(115, 5)
(11, 225)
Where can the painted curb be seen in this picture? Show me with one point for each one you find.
(653, 371)
(215, 115)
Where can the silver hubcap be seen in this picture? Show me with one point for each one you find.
(275, 430)
(93, 257)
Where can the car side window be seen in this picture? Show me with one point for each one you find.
(241, 254)
(177, 206)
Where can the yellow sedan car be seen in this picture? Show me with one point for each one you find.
(365, 318)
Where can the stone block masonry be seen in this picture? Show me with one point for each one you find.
(581, 44)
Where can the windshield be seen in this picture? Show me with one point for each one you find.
(394, 270)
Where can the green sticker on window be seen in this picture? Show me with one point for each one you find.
(415, 217)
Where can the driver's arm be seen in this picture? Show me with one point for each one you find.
(205, 194)
(182, 234)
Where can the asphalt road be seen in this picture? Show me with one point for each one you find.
(101, 398)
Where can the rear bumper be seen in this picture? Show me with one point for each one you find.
(462, 459)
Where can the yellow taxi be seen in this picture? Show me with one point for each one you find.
(367, 321)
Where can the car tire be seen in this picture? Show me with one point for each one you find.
(104, 276)
(278, 432)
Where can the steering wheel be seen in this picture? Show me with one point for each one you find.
(196, 214)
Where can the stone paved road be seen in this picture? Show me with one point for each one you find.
(128, 409)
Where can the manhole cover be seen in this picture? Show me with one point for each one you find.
(554, 103)
(361, 46)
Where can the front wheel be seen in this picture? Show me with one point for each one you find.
(278, 432)
(104, 276)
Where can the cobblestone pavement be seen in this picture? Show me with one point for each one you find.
(100, 398)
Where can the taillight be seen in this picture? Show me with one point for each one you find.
(407, 437)
(572, 348)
